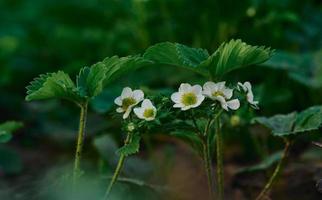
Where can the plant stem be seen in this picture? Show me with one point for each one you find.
(276, 172)
(80, 140)
(220, 166)
(208, 168)
(118, 168)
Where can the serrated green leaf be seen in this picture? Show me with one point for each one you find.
(131, 148)
(118, 66)
(174, 54)
(293, 123)
(52, 85)
(265, 164)
(6, 130)
(236, 54)
(90, 80)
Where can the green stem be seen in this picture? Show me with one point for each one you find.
(118, 168)
(80, 140)
(220, 165)
(276, 172)
(208, 168)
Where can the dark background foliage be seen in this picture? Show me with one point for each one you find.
(39, 36)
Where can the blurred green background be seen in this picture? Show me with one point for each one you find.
(39, 36)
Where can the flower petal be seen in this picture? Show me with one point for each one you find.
(118, 101)
(127, 112)
(248, 86)
(241, 86)
(178, 105)
(139, 112)
(184, 87)
(223, 102)
(175, 97)
(228, 93)
(138, 95)
(221, 85)
(185, 108)
(119, 110)
(126, 92)
(233, 104)
(197, 89)
(200, 99)
(147, 103)
(250, 96)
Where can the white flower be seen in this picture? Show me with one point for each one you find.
(147, 111)
(187, 97)
(219, 92)
(128, 100)
(247, 88)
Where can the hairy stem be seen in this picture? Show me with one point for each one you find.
(80, 141)
(220, 165)
(118, 168)
(276, 172)
(208, 168)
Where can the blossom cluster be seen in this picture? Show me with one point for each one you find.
(129, 99)
(187, 97)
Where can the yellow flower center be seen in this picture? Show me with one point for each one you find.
(218, 93)
(127, 102)
(189, 99)
(148, 113)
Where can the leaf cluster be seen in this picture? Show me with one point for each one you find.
(91, 80)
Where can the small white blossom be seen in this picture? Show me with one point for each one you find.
(147, 111)
(247, 88)
(187, 97)
(219, 92)
(128, 100)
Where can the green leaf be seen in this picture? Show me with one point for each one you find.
(174, 54)
(118, 66)
(6, 130)
(265, 164)
(90, 80)
(280, 125)
(131, 148)
(236, 54)
(52, 85)
(309, 120)
(293, 123)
